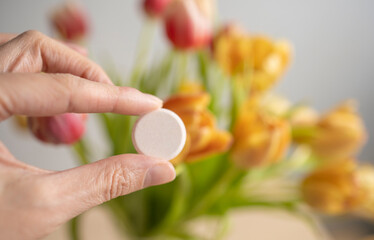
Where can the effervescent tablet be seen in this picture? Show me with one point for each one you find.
(160, 133)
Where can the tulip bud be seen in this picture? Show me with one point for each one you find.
(155, 8)
(61, 129)
(188, 23)
(70, 21)
(333, 188)
(340, 133)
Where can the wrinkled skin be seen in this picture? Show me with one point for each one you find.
(33, 201)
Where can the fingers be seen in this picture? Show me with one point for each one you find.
(81, 50)
(5, 37)
(37, 94)
(90, 185)
(34, 52)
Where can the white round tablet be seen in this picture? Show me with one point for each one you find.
(160, 134)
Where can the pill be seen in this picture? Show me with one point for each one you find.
(160, 133)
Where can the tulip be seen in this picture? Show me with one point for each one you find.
(155, 8)
(259, 138)
(203, 137)
(232, 50)
(70, 21)
(334, 188)
(339, 134)
(365, 175)
(188, 23)
(254, 59)
(61, 129)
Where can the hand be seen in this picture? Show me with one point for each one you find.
(33, 201)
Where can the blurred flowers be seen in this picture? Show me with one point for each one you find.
(203, 137)
(338, 134)
(303, 116)
(70, 21)
(259, 138)
(61, 129)
(334, 188)
(189, 23)
(365, 178)
(254, 59)
(155, 8)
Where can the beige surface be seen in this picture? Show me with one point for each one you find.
(245, 224)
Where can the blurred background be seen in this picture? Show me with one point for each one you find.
(333, 56)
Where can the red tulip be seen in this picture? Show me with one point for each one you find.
(61, 129)
(70, 21)
(155, 8)
(188, 23)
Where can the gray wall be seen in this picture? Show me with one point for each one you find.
(333, 40)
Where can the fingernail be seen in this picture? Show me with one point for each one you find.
(153, 99)
(159, 174)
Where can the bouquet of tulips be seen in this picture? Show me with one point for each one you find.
(246, 147)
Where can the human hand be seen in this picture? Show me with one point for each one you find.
(33, 201)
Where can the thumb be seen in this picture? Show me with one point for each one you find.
(78, 189)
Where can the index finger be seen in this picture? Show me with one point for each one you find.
(5, 37)
(36, 94)
(32, 51)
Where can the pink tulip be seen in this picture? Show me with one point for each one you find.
(188, 23)
(60, 129)
(70, 21)
(155, 8)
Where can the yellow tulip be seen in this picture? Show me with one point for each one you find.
(365, 176)
(256, 59)
(339, 134)
(259, 138)
(333, 188)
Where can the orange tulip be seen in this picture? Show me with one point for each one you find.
(334, 188)
(203, 137)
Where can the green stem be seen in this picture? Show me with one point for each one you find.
(238, 97)
(179, 201)
(216, 191)
(183, 66)
(73, 227)
(81, 150)
(146, 37)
